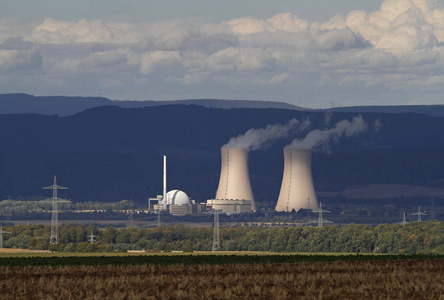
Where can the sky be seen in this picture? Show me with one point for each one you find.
(315, 54)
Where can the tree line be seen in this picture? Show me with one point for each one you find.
(415, 237)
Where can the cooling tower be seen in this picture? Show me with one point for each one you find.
(297, 189)
(234, 182)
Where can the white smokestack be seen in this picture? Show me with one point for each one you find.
(164, 201)
(297, 190)
(234, 182)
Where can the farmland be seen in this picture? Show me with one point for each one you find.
(318, 277)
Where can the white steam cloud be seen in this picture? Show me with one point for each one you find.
(320, 138)
(257, 138)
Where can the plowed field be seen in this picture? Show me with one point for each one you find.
(401, 279)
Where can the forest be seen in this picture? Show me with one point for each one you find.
(411, 238)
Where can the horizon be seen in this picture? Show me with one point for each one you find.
(214, 99)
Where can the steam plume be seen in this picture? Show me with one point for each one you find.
(256, 138)
(320, 138)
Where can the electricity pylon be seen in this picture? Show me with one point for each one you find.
(1, 235)
(320, 220)
(92, 237)
(216, 238)
(308, 207)
(54, 239)
(404, 221)
(419, 214)
(131, 218)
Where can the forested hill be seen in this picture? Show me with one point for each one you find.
(112, 153)
(65, 106)
(431, 110)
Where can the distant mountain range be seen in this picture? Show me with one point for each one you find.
(111, 153)
(65, 106)
(430, 110)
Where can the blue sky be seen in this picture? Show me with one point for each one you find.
(315, 53)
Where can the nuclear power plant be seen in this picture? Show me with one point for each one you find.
(176, 202)
(234, 194)
(297, 190)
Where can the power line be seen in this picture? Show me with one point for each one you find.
(181, 222)
(216, 237)
(131, 219)
(320, 220)
(1, 235)
(92, 237)
(308, 207)
(404, 221)
(131, 215)
(54, 239)
(419, 214)
(432, 207)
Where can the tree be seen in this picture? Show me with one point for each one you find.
(108, 235)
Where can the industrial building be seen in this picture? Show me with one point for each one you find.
(175, 202)
(297, 189)
(234, 193)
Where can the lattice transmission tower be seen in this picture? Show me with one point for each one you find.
(1, 235)
(158, 218)
(131, 217)
(420, 214)
(404, 220)
(54, 239)
(216, 237)
(92, 237)
(321, 221)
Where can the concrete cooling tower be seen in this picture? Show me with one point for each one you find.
(297, 190)
(234, 194)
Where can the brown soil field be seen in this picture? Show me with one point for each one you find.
(412, 279)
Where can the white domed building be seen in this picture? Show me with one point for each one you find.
(177, 203)
(177, 197)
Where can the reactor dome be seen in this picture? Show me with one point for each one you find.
(177, 197)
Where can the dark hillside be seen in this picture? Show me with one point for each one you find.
(430, 110)
(112, 153)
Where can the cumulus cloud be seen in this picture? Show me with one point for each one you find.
(359, 56)
(17, 53)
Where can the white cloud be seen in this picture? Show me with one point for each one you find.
(281, 22)
(279, 78)
(151, 61)
(395, 49)
(17, 53)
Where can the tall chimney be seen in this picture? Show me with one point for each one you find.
(297, 190)
(164, 201)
